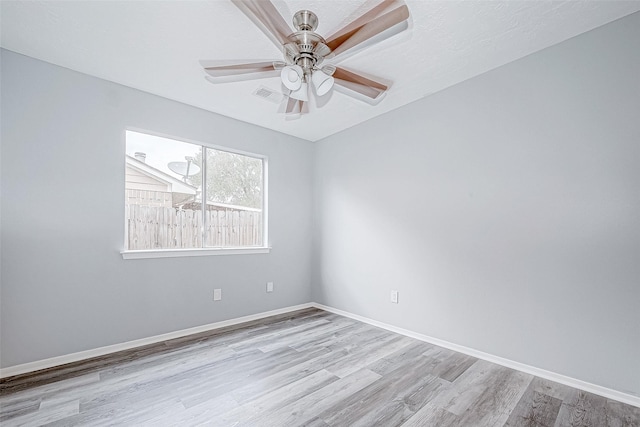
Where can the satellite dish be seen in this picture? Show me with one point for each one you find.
(184, 169)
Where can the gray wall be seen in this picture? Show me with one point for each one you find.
(505, 210)
(65, 287)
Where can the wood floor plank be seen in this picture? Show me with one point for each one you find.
(46, 415)
(534, 409)
(168, 364)
(439, 353)
(331, 338)
(502, 393)
(47, 389)
(174, 378)
(280, 379)
(135, 387)
(307, 408)
(621, 415)
(389, 401)
(20, 407)
(212, 386)
(468, 388)
(306, 335)
(582, 409)
(404, 356)
(204, 414)
(276, 399)
(308, 368)
(269, 338)
(121, 412)
(452, 367)
(316, 422)
(372, 352)
(358, 340)
(430, 416)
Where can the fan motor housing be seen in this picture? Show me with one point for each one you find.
(310, 48)
(306, 40)
(305, 20)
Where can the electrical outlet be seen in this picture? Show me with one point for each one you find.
(394, 297)
(269, 286)
(217, 294)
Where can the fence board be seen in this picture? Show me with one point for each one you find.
(159, 227)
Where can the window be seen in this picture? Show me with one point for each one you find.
(181, 196)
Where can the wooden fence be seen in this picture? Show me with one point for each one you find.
(157, 227)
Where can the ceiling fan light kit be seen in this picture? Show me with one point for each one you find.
(302, 93)
(305, 51)
(322, 82)
(292, 76)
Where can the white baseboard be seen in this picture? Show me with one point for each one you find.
(101, 351)
(552, 376)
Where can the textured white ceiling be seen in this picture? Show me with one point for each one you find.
(155, 46)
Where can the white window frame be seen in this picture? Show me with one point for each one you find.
(206, 251)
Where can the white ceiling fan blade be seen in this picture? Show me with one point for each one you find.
(358, 32)
(266, 17)
(225, 71)
(345, 32)
(292, 108)
(358, 86)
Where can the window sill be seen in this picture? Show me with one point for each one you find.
(176, 253)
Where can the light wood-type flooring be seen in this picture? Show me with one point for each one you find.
(308, 368)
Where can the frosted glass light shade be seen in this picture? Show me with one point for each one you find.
(291, 76)
(302, 93)
(322, 82)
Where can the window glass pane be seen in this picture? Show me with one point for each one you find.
(162, 196)
(234, 194)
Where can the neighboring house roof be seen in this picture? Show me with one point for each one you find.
(175, 185)
(228, 206)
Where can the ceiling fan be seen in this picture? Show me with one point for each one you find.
(305, 52)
